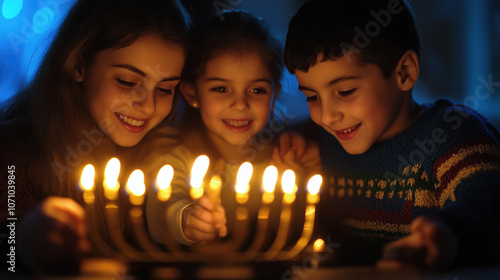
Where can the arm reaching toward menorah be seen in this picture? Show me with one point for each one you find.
(56, 225)
(204, 220)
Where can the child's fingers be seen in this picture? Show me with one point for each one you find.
(298, 143)
(200, 221)
(285, 144)
(409, 249)
(222, 230)
(219, 216)
(197, 235)
(204, 202)
(67, 216)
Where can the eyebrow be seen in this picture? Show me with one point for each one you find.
(142, 74)
(332, 82)
(226, 80)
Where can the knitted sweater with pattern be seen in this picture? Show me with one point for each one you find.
(445, 166)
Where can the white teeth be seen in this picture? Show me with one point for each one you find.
(132, 122)
(350, 129)
(237, 123)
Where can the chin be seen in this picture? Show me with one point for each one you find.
(355, 149)
(126, 142)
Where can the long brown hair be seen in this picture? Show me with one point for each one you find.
(54, 104)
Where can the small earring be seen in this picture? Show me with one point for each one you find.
(194, 104)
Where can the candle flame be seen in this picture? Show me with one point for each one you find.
(269, 179)
(198, 171)
(318, 245)
(135, 183)
(288, 181)
(165, 176)
(243, 178)
(163, 181)
(314, 184)
(87, 179)
(215, 185)
(111, 173)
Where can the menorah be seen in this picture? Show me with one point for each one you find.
(260, 248)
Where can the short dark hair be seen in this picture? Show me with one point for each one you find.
(378, 31)
(239, 31)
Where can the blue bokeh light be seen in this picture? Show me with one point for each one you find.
(11, 8)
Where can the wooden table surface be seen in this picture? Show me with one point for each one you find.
(106, 269)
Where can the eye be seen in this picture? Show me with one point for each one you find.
(125, 83)
(311, 99)
(219, 89)
(346, 93)
(165, 91)
(258, 91)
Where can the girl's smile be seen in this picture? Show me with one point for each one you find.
(238, 126)
(132, 124)
(235, 96)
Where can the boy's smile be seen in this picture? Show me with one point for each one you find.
(355, 103)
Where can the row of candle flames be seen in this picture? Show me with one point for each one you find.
(136, 189)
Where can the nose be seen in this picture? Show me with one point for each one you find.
(144, 101)
(240, 102)
(330, 114)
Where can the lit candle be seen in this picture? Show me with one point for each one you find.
(241, 226)
(111, 187)
(198, 171)
(242, 185)
(268, 185)
(313, 187)
(289, 188)
(87, 186)
(136, 188)
(214, 189)
(87, 183)
(111, 184)
(163, 181)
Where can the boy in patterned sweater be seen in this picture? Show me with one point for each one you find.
(408, 183)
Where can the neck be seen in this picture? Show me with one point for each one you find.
(253, 150)
(410, 111)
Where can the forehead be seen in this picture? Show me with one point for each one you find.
(237, 63)
(324, 71)
(149, 53)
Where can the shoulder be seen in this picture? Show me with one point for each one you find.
(459, 119)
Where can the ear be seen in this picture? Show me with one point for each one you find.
(189, 93)
(78, 73)
(407, 70)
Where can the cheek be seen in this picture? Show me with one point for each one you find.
(315, 112)
(164, 107)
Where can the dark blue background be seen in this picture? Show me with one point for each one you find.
(460, 53)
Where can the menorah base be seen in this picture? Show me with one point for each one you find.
(189, 270)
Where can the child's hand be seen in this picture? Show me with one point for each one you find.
(53, 236)
(431, 244)
(296, 153)
(204, 220)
